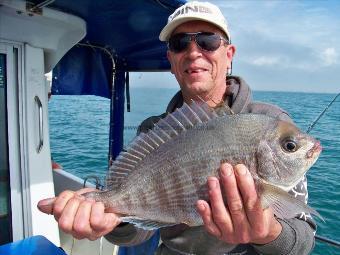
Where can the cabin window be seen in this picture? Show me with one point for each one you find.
(5, 217)
(79, 134)
(150, 93)
(79, 125)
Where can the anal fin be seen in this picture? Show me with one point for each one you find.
(146, 224)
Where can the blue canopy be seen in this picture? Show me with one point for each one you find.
(126, 30)
(122, 36)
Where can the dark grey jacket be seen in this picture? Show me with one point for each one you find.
(297, 236)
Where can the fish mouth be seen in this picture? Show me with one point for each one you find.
(315, 150)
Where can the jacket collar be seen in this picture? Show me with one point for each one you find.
(237, 89)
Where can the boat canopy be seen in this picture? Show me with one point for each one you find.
(125, 32)
(121, 36)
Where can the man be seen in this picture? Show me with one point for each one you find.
(200, 54)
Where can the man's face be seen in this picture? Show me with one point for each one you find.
(198, 72)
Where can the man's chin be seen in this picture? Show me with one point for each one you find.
(195, 89)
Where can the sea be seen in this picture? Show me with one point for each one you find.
(79, 139)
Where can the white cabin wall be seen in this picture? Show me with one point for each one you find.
(38, 181)
(30, 171)
(33, 44)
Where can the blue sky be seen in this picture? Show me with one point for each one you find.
(282, 45)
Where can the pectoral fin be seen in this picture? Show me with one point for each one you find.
(283, 204)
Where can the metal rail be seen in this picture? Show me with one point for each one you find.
(40, 5)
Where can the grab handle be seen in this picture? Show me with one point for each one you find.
(40, 124)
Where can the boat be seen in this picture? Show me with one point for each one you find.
(91, 46)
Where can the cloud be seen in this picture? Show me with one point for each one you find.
(281, 45)
(293, 36)
(272, 54)
(329, 57)
(294, 45)
(265, 60)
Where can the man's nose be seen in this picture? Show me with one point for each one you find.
(193, 49)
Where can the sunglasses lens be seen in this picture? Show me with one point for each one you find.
(208, 41)
(179, 42)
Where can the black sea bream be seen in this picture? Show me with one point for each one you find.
(158, 180)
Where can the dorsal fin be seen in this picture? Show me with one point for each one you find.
(221, 108)
(182, 119)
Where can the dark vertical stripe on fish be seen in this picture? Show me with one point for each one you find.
(163, 192)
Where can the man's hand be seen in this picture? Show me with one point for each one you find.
(78, 216)
(241, 219)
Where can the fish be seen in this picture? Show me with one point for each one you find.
(157, 181)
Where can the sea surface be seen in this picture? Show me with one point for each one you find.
(79, 127)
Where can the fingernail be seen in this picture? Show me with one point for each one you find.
(200, 206)
(212, 183)
(47, 201)
(226, 170)
(241, 170)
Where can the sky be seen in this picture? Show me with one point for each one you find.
(281, 45)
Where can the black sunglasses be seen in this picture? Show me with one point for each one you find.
(204, 40)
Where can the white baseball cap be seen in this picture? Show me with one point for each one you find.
(194, 10)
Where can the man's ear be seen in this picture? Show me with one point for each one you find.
(169, 56)
(231, 49)
(230, 54)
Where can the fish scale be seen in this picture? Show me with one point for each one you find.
(158, 180)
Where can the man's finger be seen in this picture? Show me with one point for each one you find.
(66, 219)
(81, 225)
(250, 199)
(60, 203)
(234, 200)
(220, 213)
(205, 212)
(46, 205)
(97, 220)
(111, 221)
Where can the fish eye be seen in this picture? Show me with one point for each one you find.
(289, 145)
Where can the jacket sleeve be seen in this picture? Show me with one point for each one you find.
(126, 234)
(297, 237)
(270, 110)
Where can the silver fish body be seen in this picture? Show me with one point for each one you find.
(163, 173)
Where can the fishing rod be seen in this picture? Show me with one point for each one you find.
(317, 237)
(321, 114)
(328, 241)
